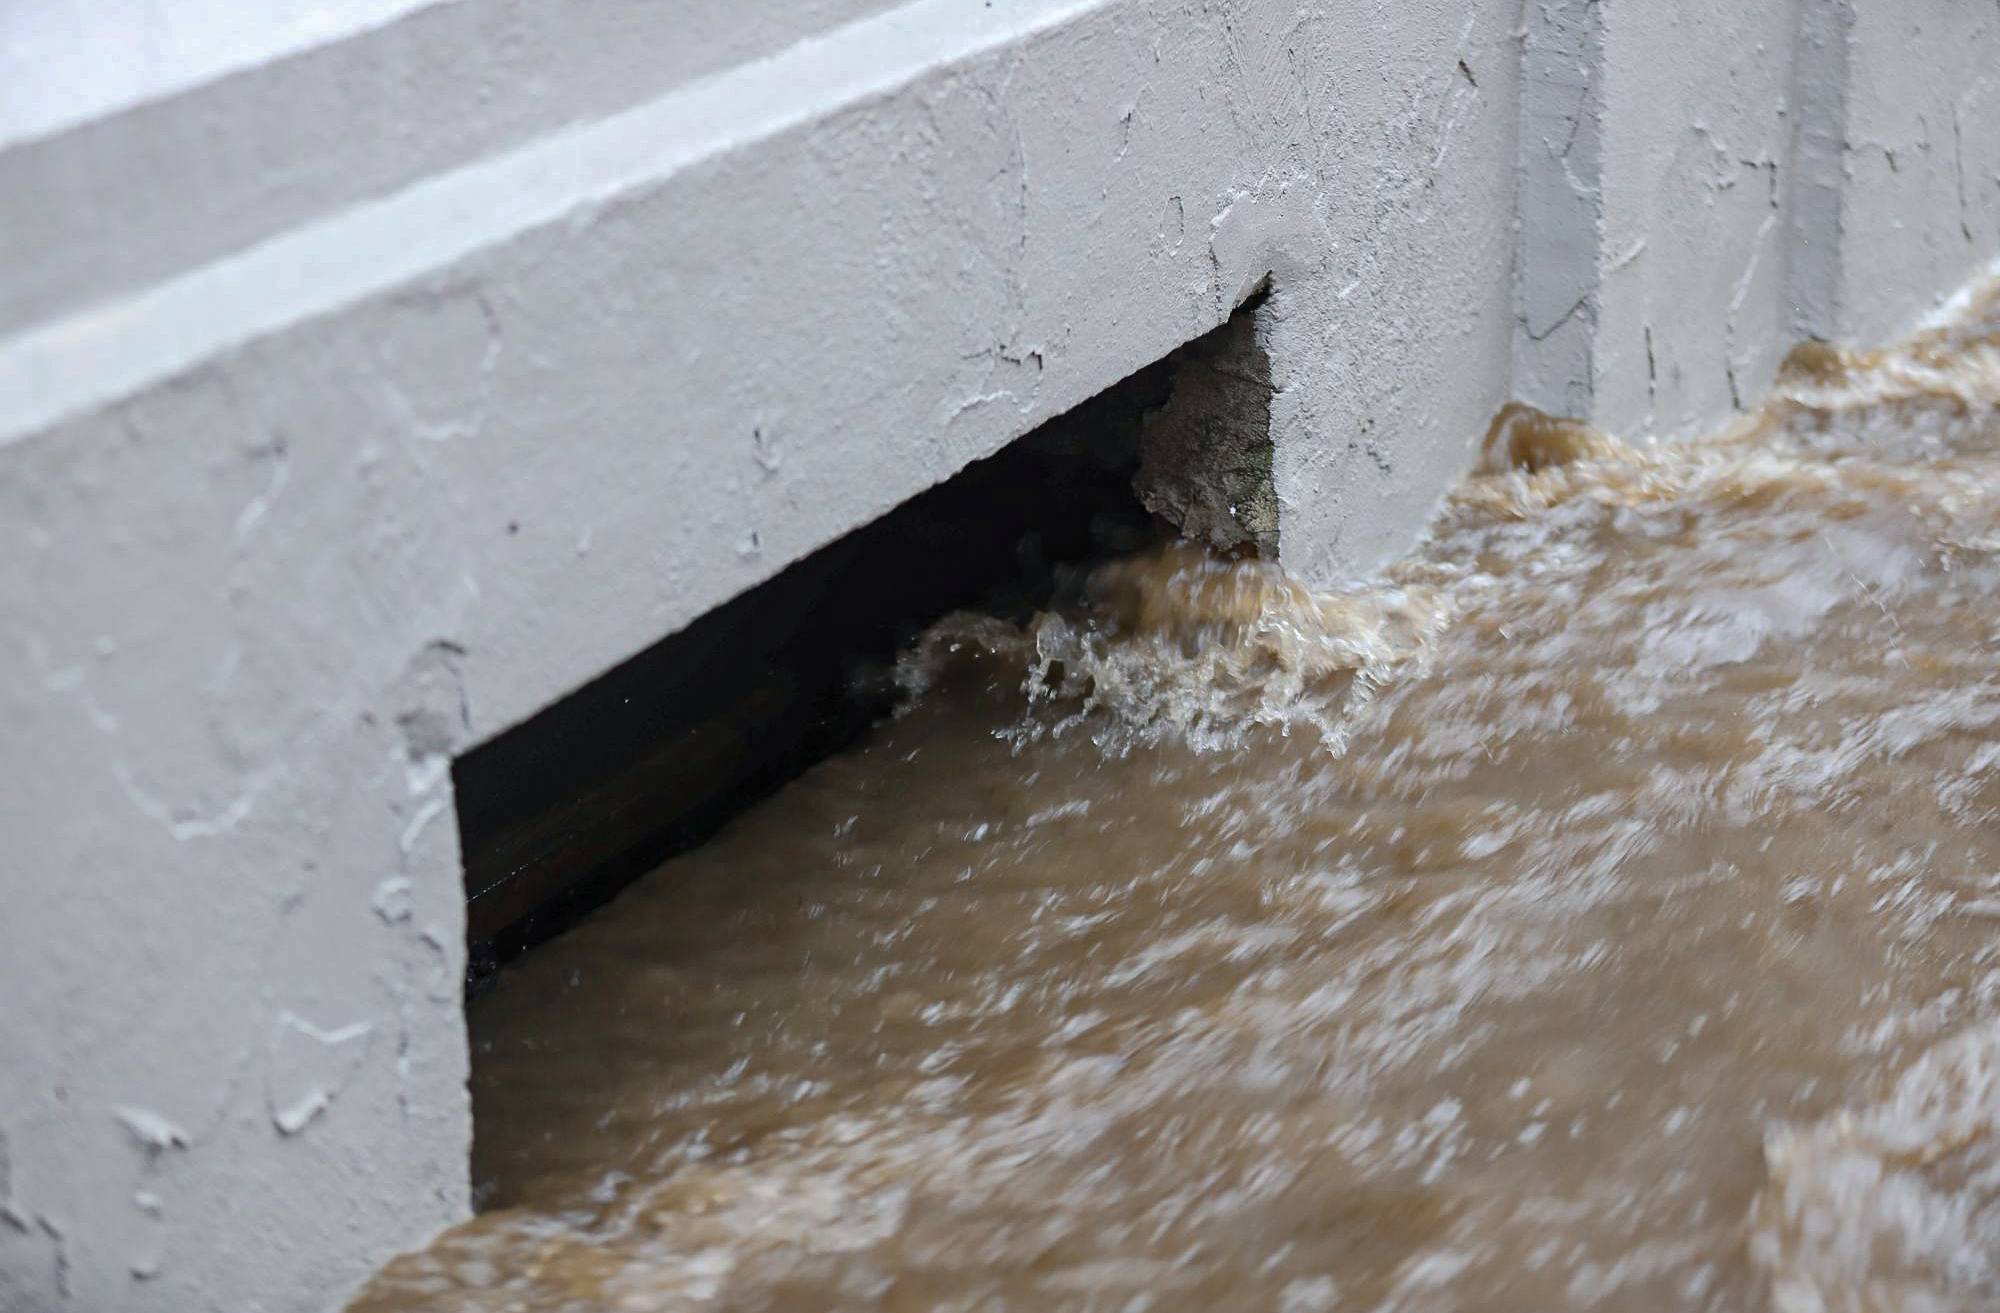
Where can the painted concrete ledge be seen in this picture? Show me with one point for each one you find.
(216, 124)
(300, 508)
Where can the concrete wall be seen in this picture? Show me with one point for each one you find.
(1691, 266)
(1705, 183)
(212, 124)
(362, 392)
(1918, 159)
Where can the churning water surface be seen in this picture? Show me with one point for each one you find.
(1601, 910)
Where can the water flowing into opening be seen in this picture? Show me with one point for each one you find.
(563, 811)
(1596, 910)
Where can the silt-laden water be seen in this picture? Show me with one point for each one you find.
(1602, 910)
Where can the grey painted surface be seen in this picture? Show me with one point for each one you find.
(231, 147)
(293, 526)
(1819, 94)
(1920, 159)
(1693, 314)
(62, 63)
(298, 508)
(1704, 184)
(1561, 206)
(1388, 324)
(1656, 161)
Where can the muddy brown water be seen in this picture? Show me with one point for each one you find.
(1601, 910)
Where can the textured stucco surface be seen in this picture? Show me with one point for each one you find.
(1919, 159)
(1560, 205)
(218, 123)
(1704, 184)
(1656, 155)
(384, 443)
(291, 527)
(1693, 306)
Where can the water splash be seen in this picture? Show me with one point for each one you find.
(1177, 643)
(1894, 1207)
(1637, 952)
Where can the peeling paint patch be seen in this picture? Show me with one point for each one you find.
(186, 823)
(430, 811)
(766, 452)
(392, 900)
(309, 1067)
(150, 1130)
(436, 714)
(252, 515)
(445, 981)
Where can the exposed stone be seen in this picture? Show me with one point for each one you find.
(1206, 456)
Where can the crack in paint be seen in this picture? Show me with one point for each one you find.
(1652, 374)
(1958, 163)
(1564, 318)
(60, 1243)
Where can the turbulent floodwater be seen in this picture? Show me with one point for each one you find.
(1600, 911)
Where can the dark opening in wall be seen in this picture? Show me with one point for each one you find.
(559, 813)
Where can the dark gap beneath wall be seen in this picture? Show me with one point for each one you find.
(558, 814)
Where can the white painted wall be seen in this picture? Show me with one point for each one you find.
(1705, 183)
(1693, 303)
(139, 138)
(358, 400)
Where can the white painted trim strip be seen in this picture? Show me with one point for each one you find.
(102, 354)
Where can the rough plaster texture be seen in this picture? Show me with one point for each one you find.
(1919, 160)
(1655, 149)
(1692, 303)
(303, 500)
(1819, 100)
(1704, 184)
(292, 526)
(1561, 205)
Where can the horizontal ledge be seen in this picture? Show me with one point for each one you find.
(102, 354)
